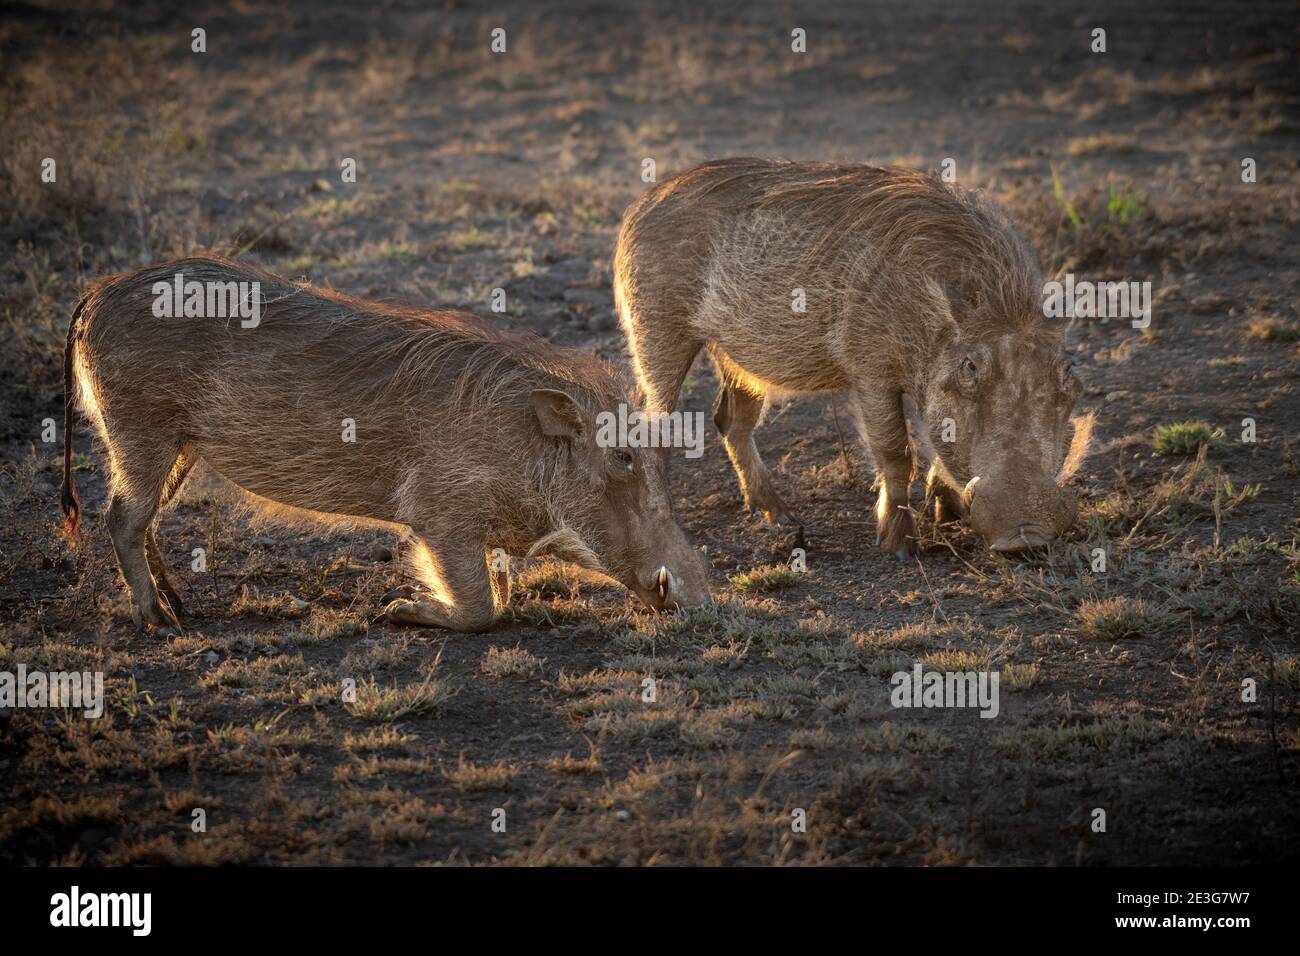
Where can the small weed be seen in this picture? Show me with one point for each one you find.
(1185, 438)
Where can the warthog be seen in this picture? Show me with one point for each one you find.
(913, 299)
(354, 411)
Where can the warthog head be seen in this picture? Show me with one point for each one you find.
(998, 419)
(617, 517)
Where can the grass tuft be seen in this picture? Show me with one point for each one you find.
(470, 777)
(1184, 438)
(771, 577)
(383, 705)
(1113, 619)
(1273, 330)
(1112, 143)
(502, 662)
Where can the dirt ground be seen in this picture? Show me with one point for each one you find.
(1122, 690)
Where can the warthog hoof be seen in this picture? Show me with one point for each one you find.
(898, 536)
(407, 612)
(157, 620)
(171, 603)
(769, 504)
(947, 508)
(776, 517)
(795, 540)
(402, 592)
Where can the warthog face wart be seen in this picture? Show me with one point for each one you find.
(999, 424)
(628, 529)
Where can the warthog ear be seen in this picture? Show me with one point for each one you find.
(557, 413)
(1080, 443)
(940, 305)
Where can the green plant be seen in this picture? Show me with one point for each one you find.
(1184, 438)
(1123, 205)
(1058, 190)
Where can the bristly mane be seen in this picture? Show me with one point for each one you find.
(860, 221)
(417, 344)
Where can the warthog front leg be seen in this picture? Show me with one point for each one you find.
(883, 427)
(461, 583)
(948, 506)
(736, 416)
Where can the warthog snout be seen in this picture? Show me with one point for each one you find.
(1011, 520)
(683, 585)
(620, 517)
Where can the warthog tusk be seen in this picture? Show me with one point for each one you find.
(663, 580)
(969, 490)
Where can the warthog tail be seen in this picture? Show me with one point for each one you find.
(69, 502)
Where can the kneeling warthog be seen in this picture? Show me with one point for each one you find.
(355, 411)
(919, 302)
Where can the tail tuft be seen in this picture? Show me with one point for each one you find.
(70, 504)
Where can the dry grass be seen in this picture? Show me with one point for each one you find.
(1021, 676)
(500, 663)
(1273, 330)
(764, 580)
(1102, 143)
(387, 704)
(471, 778)
(550, 581)
(1118, 618)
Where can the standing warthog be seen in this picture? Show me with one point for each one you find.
(917, 301)
(361, 412)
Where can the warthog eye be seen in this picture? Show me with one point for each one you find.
(624, 458)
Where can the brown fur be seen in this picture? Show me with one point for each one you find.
(449, 437)
(905, 278)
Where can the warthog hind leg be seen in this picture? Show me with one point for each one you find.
(141, 467)
(176, 478)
